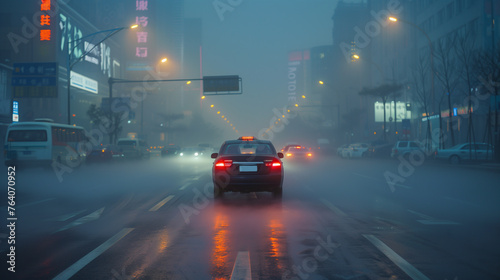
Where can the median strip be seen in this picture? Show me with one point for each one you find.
(161, 203)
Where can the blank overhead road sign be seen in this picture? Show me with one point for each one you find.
(215, 85)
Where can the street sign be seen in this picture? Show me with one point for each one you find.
(222, 84)
(34, 80)
(35, 69)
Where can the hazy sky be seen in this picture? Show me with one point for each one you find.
(252, 38)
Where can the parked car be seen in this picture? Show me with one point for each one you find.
(466, 151)
(380, 149)
(359, 150)
(404, 148)
(341, 149)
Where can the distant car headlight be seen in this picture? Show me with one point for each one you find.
(195, 154)
(181, 154)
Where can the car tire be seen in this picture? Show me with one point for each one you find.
(278, 192)
(455, 159)
(218, 191)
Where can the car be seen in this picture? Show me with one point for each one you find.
(466, 151)
(341, 149)
(191, 152)
(359, 150)
(170, 151)
(288, 146)
(405, 148)
(134, 148)
(380, 149)
(105, 154)
(247, 165)
(298, 153)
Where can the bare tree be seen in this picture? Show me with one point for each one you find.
(487, 65)
(419, 75)
(447, 73)
(465, 51)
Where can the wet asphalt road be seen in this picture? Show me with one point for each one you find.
(338, 219)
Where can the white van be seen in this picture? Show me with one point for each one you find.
(133, 148)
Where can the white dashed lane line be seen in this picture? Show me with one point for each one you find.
(73, 269)
(161, 203)
(332, 207)
(242, 269)
(409, 269)
(90, 217)
(184, 186)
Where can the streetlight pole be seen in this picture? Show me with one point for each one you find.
(69, 64)
(394, 19)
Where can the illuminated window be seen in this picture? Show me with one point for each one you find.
(45, 6)
(45, 35)
(143, 21)
(141, 5)
(141, 52)
(142, 37)
(44, 20)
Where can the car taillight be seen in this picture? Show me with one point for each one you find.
(224, 163)
(273, 163)
(309, 155)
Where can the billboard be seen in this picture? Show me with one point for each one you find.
(390, 109)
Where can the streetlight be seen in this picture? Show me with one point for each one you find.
(395, 19)
(69, 64)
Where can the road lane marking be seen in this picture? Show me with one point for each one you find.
(428, 220)
(73, 269)
(376, 179)
(421, 215)
(184, 186)
(161, 203)
(437, 222)
(65, 217)
(409, 269)
(35, 202)
(242, 269)
(197, 178)
(333, 208)
(90, 217)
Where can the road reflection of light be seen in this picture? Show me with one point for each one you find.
(220, 250)
(276, 239)
(148, 257)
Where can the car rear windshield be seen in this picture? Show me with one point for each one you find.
(127, 143)
(248, 149)
(27, 136)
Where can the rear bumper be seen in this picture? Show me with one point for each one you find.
(248, 183)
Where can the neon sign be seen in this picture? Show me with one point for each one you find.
(45, 34)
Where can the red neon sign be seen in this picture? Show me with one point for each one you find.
(45, 21)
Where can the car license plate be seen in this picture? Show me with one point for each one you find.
(248, 168)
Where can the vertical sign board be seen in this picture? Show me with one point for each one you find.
(15, 111)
